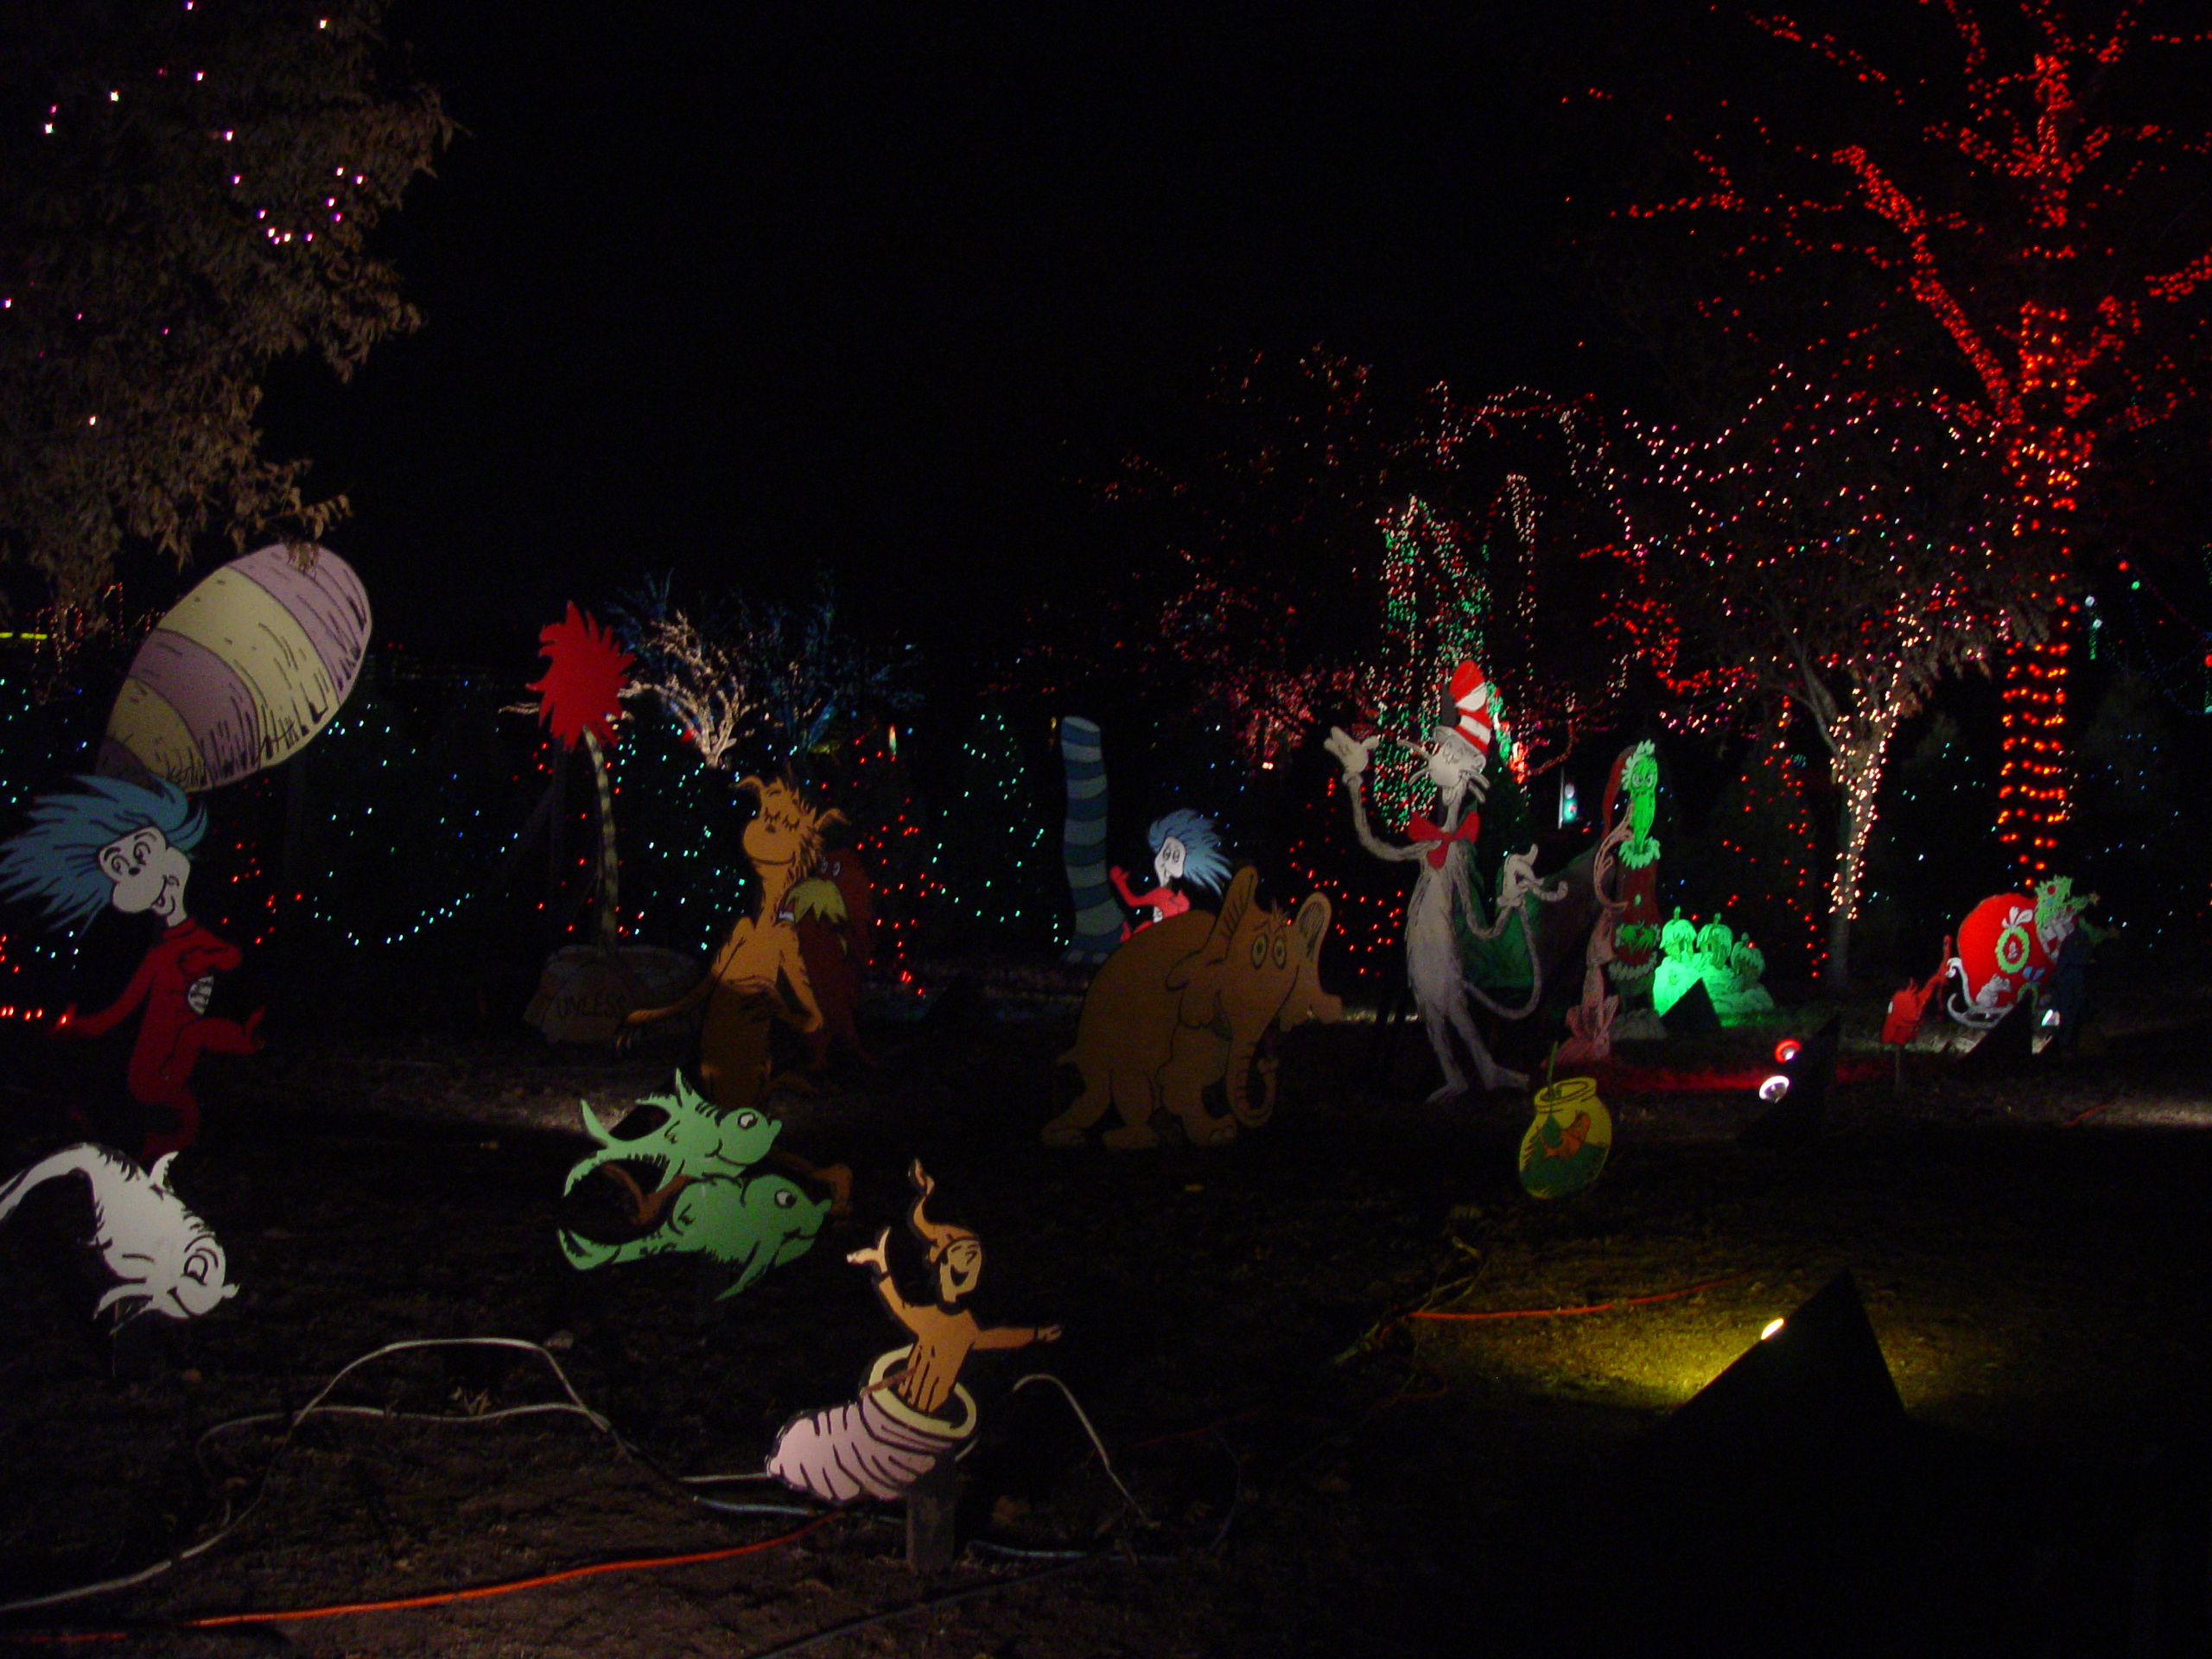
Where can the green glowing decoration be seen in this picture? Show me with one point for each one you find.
(1729, 968)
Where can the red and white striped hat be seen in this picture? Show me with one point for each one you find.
(1473, 700)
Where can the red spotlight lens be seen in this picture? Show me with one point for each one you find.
(1786, 1051)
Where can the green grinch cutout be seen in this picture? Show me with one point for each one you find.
(1624, 941)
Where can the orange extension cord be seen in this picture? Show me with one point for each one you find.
(1593, 1307)
(478, 1593)
(475, 1592)
(299, 1615)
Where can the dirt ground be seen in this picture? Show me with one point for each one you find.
(1307, 1469)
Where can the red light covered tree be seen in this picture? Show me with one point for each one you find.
(2000, 208)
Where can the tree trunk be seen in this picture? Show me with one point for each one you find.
(610, 890)
(2047, 469)
(1857, 762)
(2034, 791)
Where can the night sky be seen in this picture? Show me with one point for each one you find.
(749, 292)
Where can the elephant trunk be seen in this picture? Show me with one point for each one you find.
(1243, 1059)
(1318, 1006)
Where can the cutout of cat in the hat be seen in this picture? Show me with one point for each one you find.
(1457, 760)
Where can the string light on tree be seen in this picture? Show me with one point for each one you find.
(2015, 211)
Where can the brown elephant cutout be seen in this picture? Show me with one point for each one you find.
(1195, 1001)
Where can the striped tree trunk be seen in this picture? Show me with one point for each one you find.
(610, 873)
(1082, 842)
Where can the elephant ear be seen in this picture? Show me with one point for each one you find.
(1312, 924)
(1198, 975)
(1214, 950)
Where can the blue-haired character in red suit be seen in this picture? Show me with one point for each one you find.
(109, 841)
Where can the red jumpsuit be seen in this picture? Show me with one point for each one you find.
(171, 1037)
(1163, 899)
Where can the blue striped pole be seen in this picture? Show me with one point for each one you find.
(1097, 917)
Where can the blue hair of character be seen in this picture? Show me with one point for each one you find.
(1204, 864)
(56, 860)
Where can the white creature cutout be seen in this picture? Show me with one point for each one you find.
(1458, 763)
(166, 1260)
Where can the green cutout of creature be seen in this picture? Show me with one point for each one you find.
(697, 1139)
(749, 1225)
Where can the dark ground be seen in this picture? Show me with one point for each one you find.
(2031, 1251)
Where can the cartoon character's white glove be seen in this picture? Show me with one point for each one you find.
(1351, 754)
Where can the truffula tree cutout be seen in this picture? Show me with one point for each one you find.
(911, 1412)
(1098, 924)
(1192, 1002)
(164, 1259)
(2008, 945)
(1443, 904)
(241, 673)
(1187, 849)
(586, 989)
(578, 702)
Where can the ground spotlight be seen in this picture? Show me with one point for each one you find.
(1814, 1390)
(1797, 1094)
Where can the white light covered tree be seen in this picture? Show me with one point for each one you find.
(1842, 552)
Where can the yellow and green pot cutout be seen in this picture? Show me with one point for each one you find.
(1566, 1145)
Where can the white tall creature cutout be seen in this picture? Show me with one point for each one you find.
(1457, 760)
(164, 1258)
